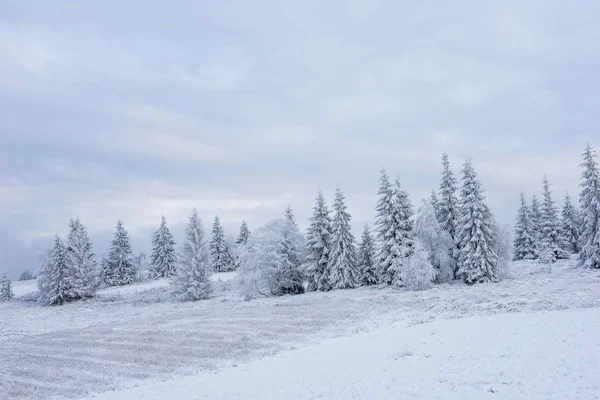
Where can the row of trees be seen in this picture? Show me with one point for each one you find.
(541, 234)
(450, 238)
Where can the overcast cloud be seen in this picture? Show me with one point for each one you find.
(134, 109)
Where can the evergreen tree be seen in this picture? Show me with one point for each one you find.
(107, 276)
(290, 279)
(342, 260)
(447, 210)
(536, 221)
(524, 242)
(119, 268)
(289, 215)
(58, 287)
(366, 259)
(221, 258)
(163, 258)
(387, 226)
(475, 236)
(404, 245)
(244, 235)
(589, 201)
(26, 276)
(434, 201)
(81, 271)
(192, 281)
(6, 292)
(318, 241)
(551, 239)
(570, 226)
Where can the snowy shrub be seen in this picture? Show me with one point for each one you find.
(435, 241)
(271, 264)
(418, 273)
(504, 251)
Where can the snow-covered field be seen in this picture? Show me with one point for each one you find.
(452, 341)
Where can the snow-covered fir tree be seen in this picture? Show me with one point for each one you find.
(81, 273)
(387, 226)
(244, 235)
(271, 266)
(57, 286)
(536, 220)
(192, 280)
(589, 202)
(404, 235)
(6, 292)
(318, 242)
(367, 269)
(570, 226)
(221, 258)
(475, 236)
(447, 210)
(435, 241)
(163, 258)
(524, 240)
(551, 239)
(289, 214)
(434, 201)
(342, 259)
(26, 276)
(118, 268)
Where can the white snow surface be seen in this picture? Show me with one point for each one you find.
(532, 336)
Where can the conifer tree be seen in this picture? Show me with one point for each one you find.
(524, 241)
(318, 242)
(536, 221)
(434, 201)
(570, 226)
(119, 268)
(551, 239)
(192, 281)
(58, 287)
(289, 215)
(342, 260)
(589, 201)
(404, 246)
(81, 271)
(26, 276)
(387, 226)
(366, 259)
(244, 235)
(475, 236)
(447, 210)
(6, 292)
(163, 258)
(221, 258)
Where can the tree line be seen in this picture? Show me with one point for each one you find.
(453, 235)
(541, 234)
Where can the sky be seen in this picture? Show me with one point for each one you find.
(133, 110)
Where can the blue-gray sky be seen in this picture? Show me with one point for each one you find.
(134, 109)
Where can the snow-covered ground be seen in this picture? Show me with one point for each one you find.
(452, 341)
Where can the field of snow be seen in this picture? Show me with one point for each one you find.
(452, 341)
